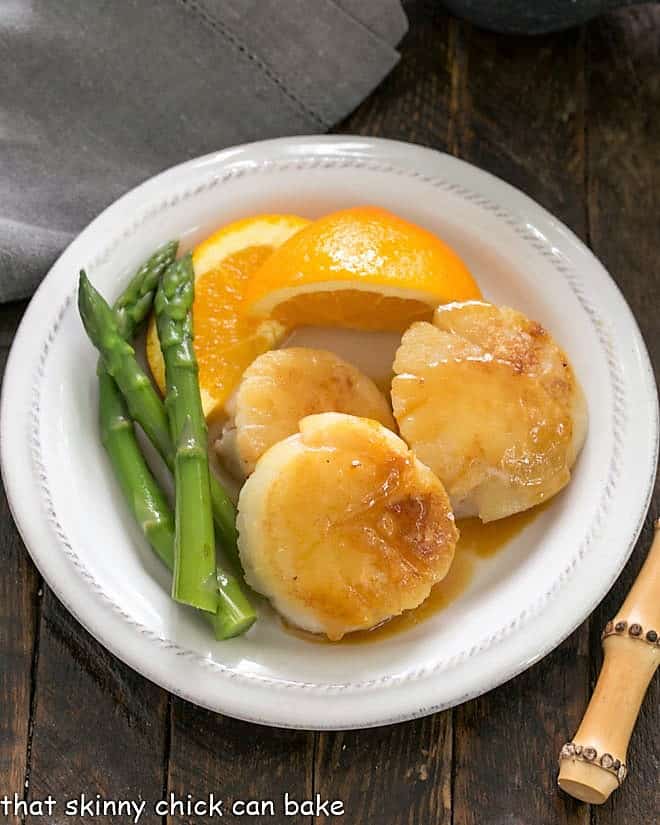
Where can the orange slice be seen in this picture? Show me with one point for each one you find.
(226, 340)
(360, 268)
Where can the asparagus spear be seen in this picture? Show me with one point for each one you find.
(150, 507)
(224, 516)
(144, 403)
(120, 362)
(235, 614)
(135, 302)
(194, 546)
(141, 490)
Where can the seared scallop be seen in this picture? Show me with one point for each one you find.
(342, 527)
(283, 386)
(489, 401)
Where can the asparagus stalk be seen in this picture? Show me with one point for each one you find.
(224, 516)
(150, 506)
(120, 362)
(144, 404)
(141, 490)
(194, 546)
(194, 573)
(135, 302)
(235, 613)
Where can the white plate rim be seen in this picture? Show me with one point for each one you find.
(42, 531)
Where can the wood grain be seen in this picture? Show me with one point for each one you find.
(415, 102)
(399, 775)
(99, 728)
(623, 52)
(521, 116)
(237, 761)
(19, 610)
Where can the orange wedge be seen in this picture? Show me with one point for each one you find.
(361, 268)
(226, 340)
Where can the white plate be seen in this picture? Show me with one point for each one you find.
(520, 604)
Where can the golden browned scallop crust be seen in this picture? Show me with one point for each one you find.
(341, 527)
(489, 401)
(283, 386)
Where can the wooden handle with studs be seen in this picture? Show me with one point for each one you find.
(593, 764)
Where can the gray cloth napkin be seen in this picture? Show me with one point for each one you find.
(99, 95)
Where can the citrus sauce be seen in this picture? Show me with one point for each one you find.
(478, 541)
(484, 540)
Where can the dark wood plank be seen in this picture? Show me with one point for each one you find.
(624, 210)
(401, 774)
(507, 744)
(624, 157)
(99, 728)
(398, 775)
(19, 609)
(415, 102)
(236, 761)
(521, 116)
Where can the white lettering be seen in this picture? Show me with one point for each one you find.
(290, 805)
(86, 808)
(253, 807)
(313, 807)
(215, 806)
(138, 807)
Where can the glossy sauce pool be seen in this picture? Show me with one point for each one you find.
(477, 541)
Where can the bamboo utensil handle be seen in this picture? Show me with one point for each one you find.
(593, 764)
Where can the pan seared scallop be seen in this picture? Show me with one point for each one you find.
(283, 386)
(489, 401)
(342, 527)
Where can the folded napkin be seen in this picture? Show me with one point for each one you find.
(98, 96)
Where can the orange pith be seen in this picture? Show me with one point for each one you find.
(353, 309)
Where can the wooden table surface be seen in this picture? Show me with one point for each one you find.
(574, 121)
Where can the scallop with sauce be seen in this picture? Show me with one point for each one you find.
(283, 386)
(341, 527)
(489, 401)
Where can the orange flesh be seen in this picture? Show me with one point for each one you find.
(226, 341)
(352, 309)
